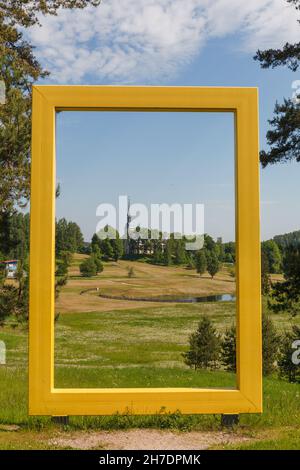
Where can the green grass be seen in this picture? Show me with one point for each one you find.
(142, 377)
(281, 403)
(110, 348)
(282, 439)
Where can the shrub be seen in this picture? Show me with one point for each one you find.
(98, 263)
(8, 301)
(63, 263)
(228, 349)
(88, 267)
(14, 301)
(287, 368)
(270, 345)
(204, 346)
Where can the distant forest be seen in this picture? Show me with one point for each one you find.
(288, 239)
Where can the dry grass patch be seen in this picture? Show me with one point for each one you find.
(149, 281)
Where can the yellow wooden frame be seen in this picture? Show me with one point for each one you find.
(44, 398)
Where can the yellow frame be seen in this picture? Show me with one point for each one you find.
(44, 399)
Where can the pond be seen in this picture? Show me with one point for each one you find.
(187, 299)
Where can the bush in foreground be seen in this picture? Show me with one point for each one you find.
(204, 346)
(289, 355)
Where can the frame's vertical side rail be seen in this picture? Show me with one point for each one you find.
(249, 350)
(237, 219)
(42, 254)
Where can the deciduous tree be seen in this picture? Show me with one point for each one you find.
(273, 254)
(213, 264)
(201, 262)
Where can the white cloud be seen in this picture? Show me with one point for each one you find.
(150, 40)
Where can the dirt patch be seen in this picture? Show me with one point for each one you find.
(137, 439)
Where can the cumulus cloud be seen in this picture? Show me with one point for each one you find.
(151, 40)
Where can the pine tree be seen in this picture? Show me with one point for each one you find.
(265, 277)
(204, 346)
(157, 254)
(14, 299)
(272, 252)
(96, 250)
(14, 235)
(180, 256)
(201, 262)
(75, 239)
(98, 263)
(25, 13)
(167, 254)
(63, 263)
(117, 247)
(95, 241)
(284, 137)
(96, 256)
(106, 249)
(191, 261)
(289, 367)
(229, 252)
(19, 70)
(88, 267)
(270, 345)
(228, 351)
(285, 295)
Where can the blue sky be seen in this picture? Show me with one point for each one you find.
(191, 156)
(151, 157)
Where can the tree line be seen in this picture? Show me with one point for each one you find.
(279, 255)
(15, 243)
(210, 349)
(161, 251)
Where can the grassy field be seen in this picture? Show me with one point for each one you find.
(148, 281)
(132, 347)
(112, 343)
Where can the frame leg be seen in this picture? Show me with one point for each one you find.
(62, 420)
(229, 421)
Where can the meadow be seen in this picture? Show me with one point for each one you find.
(119, 343)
